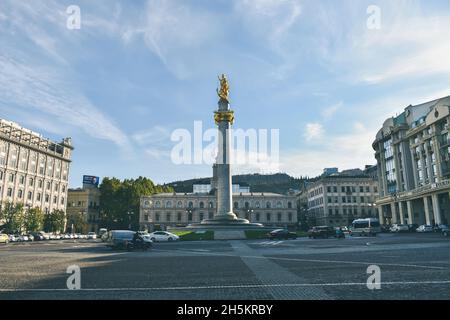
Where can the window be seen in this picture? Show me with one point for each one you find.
(20, 194)
(156, 216)
(201, 216)
(258, 217)
(190, 204)
(33, 162)
(62, 200)
(1, 175)
(31, 182)
(146, 217)
(279, 205)
(3, 150)
(10, 192)
(55, 199)
(13, 154)
(211, 205)
(56, 187)
(236, 205)
(290, 216)
(157, 204)
(168, 217)
(210, 215)
(268, 216)
(11, 177)
(202, 204)
(289, 205)
(23, 160)
(179, 216)
(279, 217)
(361, 189)
(38, 197)
(169, 204)
(22, 180)
(247, 205)
(30, 195)
(268, 205)
(190, 216)
(367, 189)
(41, 164)
(257, 204)
(47, 198)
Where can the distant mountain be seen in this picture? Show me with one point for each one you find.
(278, 182)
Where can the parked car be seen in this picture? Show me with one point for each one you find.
(321, 232)
(413, 227)
(440, 227)
(425, 228)
(282, 234)
(92, 235)
(104, 236)
(13, 238)
(119, 239)
(399, 228)
(446, 231)
(36, 236)
(4, 238)
(23, 238)
(163, 236)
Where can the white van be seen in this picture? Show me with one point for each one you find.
(365, 227)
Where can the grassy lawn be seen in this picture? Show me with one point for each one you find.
(302, 233)
(194, 235)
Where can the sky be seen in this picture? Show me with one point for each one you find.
(325, 74)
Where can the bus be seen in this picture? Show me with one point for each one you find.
(365, 227)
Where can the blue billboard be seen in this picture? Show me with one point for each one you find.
(91, 180)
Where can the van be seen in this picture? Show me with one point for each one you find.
(365, 227)
(119, 239)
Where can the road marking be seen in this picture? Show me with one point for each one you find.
(243, 286)
(318, 260)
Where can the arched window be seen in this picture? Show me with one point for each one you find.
(201, 216)
(157, 204)
(180, 204)
(268, 205)
(169, 204)
(190, 205)
(279, 205)
(289, 205)
(13, 154)
(236, 205)
(3, 149)
(211, 204)
(247, 205)
(257, 204)
(202, 205)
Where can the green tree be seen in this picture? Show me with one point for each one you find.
(13, 216)
(77, 223)
(55, 221)
(34, 220)
(120, 200)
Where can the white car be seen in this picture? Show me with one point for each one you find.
(92, 235)
(163, 236)
(399, 228)
(425, 228)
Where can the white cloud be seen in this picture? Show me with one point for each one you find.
(313, 131)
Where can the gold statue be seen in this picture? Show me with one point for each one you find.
(224, 88)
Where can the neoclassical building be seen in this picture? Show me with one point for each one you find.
(33, 170)
(413, 161)
(180, 209)
(337, 199)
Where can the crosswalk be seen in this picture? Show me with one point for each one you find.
(268, 243)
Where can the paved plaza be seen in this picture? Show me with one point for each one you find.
(413, 266)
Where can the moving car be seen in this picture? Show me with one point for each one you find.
(91, 235)
(365, 227)
(413, 227)
(282, 234)
(119, 239)
(163, 236)
(440, 228)
(4, 238)
(321, 232)
(425, 228)
(399, 228)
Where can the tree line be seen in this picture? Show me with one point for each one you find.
(17, 219)
(120, 201)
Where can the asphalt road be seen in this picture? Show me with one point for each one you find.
(412, 266)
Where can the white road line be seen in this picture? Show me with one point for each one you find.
(322, 261)
(244, 286)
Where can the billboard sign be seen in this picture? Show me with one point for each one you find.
(91, 180)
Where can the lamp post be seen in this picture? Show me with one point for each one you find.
(129, 214)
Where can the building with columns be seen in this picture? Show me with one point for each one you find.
(181, 209)
(413, 163)
(33, 170)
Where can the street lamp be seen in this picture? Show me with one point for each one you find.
(129, 214)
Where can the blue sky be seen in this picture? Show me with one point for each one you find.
(137, 70)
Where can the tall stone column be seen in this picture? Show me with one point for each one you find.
(393, 212)
(427, 210)
(400, 211)
(436, 209)
(380, 214)
(410, 213)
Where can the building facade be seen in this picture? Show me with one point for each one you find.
(85, 202)
(181, 209)
(33, 170)
(413, 160)
(337, 200)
